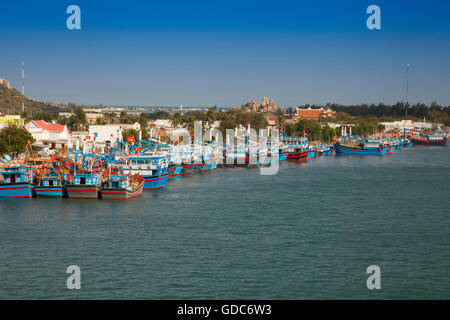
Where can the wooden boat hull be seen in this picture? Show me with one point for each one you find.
(83, 191)
(122, 193)
(17, 190)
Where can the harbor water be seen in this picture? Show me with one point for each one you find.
(308, 232)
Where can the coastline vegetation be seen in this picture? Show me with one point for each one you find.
(13, 140)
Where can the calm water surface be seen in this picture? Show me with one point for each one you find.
(308, 232)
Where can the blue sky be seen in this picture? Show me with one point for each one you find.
(204, 53)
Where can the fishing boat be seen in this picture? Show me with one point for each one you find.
(433, 139)
(84, 185)
(355, 145)
(201, 163)
(175, 170)
(311, 154)
(407, 142)
(295, 147)
(153, 168)
(242, 156)
(51, 185)
(176, 155)
(187, 168)
(283, 155)
(122, 187)
(17, 182)
(323, 149)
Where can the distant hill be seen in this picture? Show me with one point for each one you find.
(11, 102)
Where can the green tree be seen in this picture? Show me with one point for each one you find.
(78, 121)
(14, 139)
(328, 134)
(226, 124)
(211, 115)
(177, 119)
(311, 128)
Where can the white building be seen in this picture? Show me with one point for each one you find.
(47, 135)
(409, 125)
(110, 133)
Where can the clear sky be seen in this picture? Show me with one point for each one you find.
(227, 52)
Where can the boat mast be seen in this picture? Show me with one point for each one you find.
(407, 76)
(23, 86)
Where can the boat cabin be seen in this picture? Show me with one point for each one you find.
(87, 178)
(118, 182)
(296, 142)
(17, 174)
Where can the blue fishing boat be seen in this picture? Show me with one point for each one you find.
(84, 185)
(51, 185)
(311, 153)
(175, 170)
(201, 164)
(323, 149)
(295, 147)
(282, 155)
(354, 145)
(187, 168)
(17, 182)
(122, 187)
(407, 142)
(153, 168)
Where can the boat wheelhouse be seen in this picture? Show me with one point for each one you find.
(153, 168)
(17, 182)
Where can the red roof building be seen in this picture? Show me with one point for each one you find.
(49, 126)
(314, 114)
(48, 134)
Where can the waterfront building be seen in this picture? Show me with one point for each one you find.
(110, 133)
(49, 136)
(410, 125)
(313, 114)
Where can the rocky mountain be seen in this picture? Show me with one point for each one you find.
(267, 105)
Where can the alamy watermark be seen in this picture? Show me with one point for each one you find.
(74, 20)
(241, 147)
(374, 20)
(74, 280)
(374, 280)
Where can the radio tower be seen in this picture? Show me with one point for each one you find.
(406, 107)
(23, 86)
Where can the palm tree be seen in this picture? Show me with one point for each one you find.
(211, 115)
